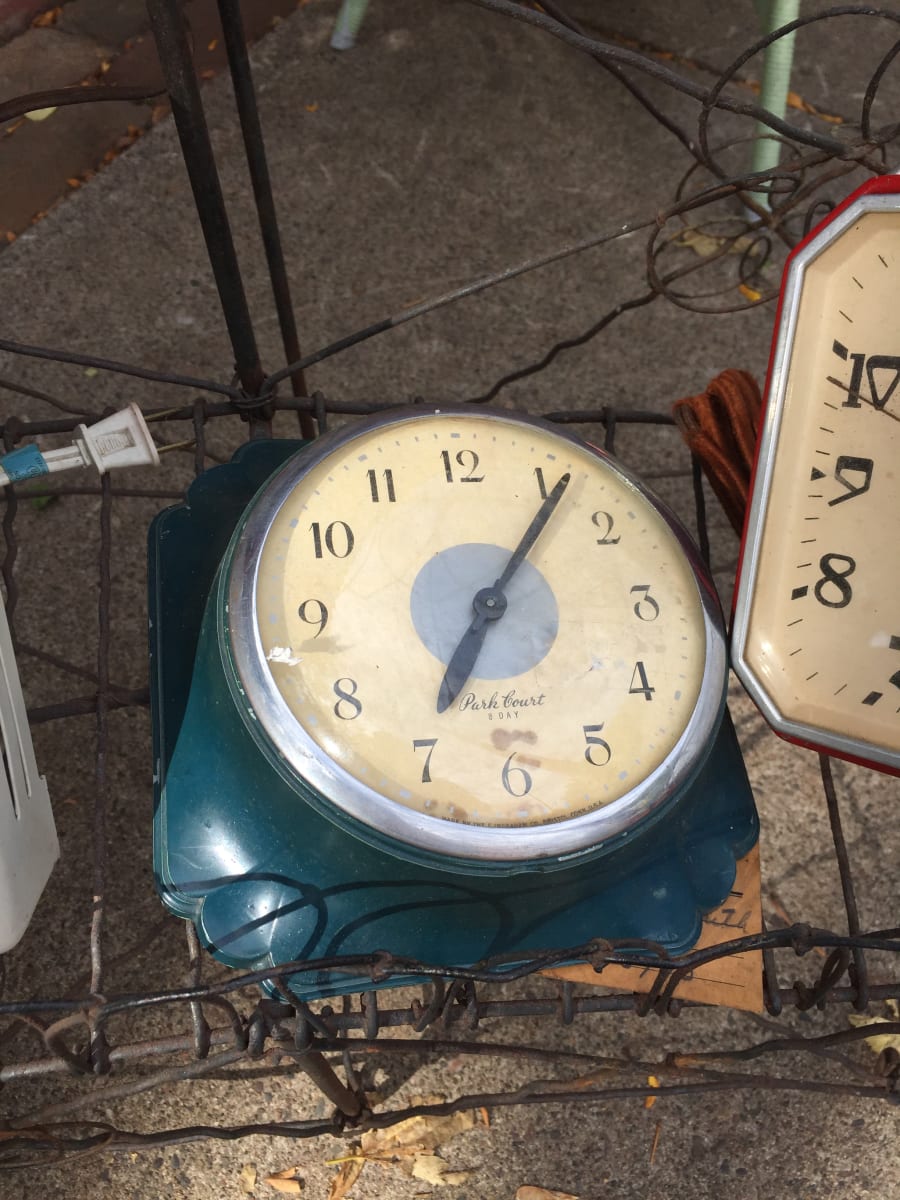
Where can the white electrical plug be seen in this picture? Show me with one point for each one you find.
(122, 440)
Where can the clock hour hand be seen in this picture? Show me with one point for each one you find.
(489, 604)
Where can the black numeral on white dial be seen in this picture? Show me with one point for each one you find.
(640, 685)
(856, 476)
(375, 487)
(467, 461)
(604, 522)
(320, 618)
(423, 743)
(596, 745)
(348, 707)
(882, 376)
(646, 608)
(833, 589)
(516, 780)
(337, 539)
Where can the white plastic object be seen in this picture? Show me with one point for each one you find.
(28, 843)
(122, 440)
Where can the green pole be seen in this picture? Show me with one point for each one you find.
(346, 27)
(776, 78)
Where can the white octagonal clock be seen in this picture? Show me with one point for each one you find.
(816, 637)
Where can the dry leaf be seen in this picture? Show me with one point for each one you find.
(40, 114)
(656, 1137)
(45, 19)
(286, 1182)
(344, 1180)
(431, 1168)
(417, 1134)
(707, 244)
(879, 1042)
(538, 1193)
(247, 1178)
(411, 1144)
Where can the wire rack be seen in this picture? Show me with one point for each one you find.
(202, 1024)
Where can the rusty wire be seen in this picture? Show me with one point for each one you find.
(71, 1032)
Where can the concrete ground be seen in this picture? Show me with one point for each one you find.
(448, 144)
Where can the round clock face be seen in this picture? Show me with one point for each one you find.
(817, 627)
(474, 635)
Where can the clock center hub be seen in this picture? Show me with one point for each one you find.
(451, 585)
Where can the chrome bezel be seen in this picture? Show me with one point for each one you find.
(269, 718)
(813, 735)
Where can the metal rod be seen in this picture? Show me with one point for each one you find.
(170, 32)
(99, 1044)
(859, 970)
(258, 166)
(398, 1018)
(323, 1076)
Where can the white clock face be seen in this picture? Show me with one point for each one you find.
(818, 624)
(577, 694)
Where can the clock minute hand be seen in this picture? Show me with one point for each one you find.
(489, 604)
(531, 534)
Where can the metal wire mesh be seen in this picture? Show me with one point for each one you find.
(211, 1024)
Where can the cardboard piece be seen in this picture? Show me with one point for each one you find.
(734, 981)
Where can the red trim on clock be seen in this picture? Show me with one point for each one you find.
(880, 185)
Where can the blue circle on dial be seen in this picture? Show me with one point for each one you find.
(441, 609)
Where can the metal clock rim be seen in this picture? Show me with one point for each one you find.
(804, 256)
(368, 812)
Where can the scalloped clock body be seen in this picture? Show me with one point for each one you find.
(314, 800)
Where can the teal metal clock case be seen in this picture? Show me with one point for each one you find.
(447, 682)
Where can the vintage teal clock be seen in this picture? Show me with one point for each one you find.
(446, 682)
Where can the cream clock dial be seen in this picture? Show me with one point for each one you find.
(472, 633)
(817, 619)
